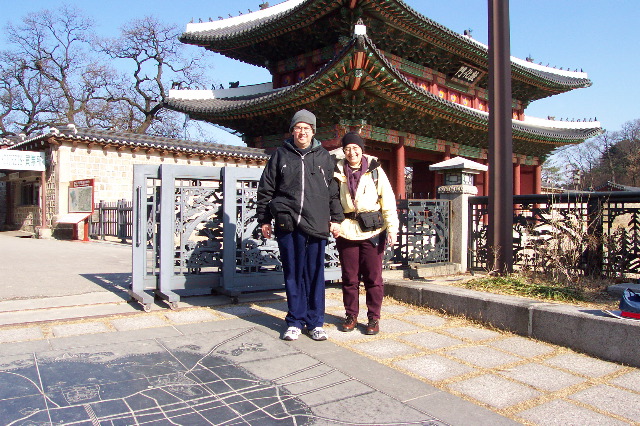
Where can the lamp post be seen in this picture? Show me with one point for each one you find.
(577, 179)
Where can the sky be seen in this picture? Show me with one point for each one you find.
(596, 36)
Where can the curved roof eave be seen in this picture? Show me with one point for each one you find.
(246, 26)
(544, 129)
(145, 141)
(547, 129)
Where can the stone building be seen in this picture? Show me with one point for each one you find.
(106, 157)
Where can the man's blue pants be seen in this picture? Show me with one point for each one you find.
(302, 259)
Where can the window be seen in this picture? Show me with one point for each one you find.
(29, 194)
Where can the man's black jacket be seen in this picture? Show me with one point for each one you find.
(301, 185)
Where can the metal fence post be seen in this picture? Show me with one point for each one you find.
(594, 250)
(101, 220)
(122, 223)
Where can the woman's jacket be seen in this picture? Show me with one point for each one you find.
(369, 198)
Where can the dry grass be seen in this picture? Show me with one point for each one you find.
(588, 292)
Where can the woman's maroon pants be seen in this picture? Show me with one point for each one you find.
(361, 261)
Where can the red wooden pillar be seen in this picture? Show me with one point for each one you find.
(439, 178)
(485, 186)
(517, 188)
(400, 165)
(422, 185)
(537, 179)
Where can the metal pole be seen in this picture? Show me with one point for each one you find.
(44, 224)
(400, 166)
(500, 235)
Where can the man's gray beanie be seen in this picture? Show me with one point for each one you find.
(303, 116)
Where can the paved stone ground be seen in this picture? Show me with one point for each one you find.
(211, 362)
(520, 379)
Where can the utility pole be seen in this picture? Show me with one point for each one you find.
(500, 226)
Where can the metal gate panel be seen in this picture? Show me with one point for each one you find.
(195, 230)
(190, 230)
(145, 265)
(251, 262)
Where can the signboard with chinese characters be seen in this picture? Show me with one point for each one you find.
(468, 74)
(81, 196)
(21, 160)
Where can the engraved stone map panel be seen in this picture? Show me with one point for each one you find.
(233, 377)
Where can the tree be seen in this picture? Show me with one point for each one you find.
(51, 75)
(631, 133)
(21, 96)
(609, 157)
(157, 58)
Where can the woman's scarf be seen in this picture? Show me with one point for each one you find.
(353, 176)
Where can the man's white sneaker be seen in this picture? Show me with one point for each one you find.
(318, 333)
(292, 333)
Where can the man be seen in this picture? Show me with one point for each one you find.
(297, 189)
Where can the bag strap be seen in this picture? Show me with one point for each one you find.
(374, 175)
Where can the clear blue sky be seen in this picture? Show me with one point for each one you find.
(597, 36)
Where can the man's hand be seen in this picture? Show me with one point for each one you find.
(266, 230)
(334, 228)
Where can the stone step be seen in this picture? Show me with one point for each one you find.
(417, 271)
(434, 270)
(618, 289)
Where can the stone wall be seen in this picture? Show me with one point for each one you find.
(112, 170)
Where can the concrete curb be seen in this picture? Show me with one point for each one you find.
(582, 329)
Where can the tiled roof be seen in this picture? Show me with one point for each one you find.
(548, 131)
(265, 21)
(143, 141)
(567, 78)
(618, 187)
(230, 27)
(8, 141)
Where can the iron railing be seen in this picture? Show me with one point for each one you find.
(423, 236)
(113, 219)
(591, 233)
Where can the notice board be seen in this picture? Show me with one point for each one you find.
(81, 196)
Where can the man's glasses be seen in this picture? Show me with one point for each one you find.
(302, 129)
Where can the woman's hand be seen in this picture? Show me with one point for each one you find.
(334, 228)
(391, 239)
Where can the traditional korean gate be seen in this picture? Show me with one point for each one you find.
(195, 232)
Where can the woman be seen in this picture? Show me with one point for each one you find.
(365, 192)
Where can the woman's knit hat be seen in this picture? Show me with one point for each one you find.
(352, 138)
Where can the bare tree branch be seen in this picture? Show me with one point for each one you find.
(157, 59)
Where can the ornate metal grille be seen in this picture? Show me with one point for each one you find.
(198, 226)
(253, 254)
(598, 233)
(256, 254)
(424, 233)
(204, 235)
(152, 208)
